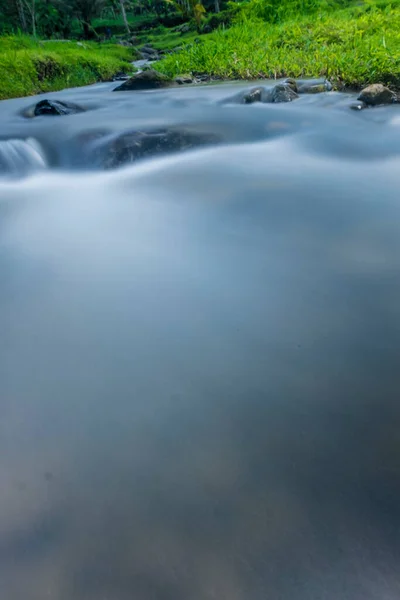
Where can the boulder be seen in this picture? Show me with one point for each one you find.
(52, 108)
(292, 83)
(377, 94)
(146, 80)
(282, 92)
(185, 79)
(132, 146)
(253, 95)
(313, 86)
(147, 49)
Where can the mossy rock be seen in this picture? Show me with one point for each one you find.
(146, 80)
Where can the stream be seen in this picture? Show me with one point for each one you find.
(200, 348)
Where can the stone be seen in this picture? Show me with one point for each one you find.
(292, 83)
(282, 92)
(146, 80)
(313, 86)
(185, 79)
(120, 76)
(376, 94)
(148, 49)
(138, 145)
(253, 95)
(52, 108)
(358, 105)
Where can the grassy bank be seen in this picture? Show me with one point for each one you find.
(351, 46)
(30, 67)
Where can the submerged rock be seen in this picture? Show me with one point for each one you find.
(292, 83)
(283, 92)
(253, 95)
(52, 108)
(313, 86)
(376, 94)
(112, 152)
(358, 105)
(146, 80)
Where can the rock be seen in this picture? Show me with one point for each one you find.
(376, 94)
(358, 105)
(313, 86)
(283, 92)
(146, 80)
(133, 146)
(148, 49)
(53, 108)
(185, 79)
(184, 28)
(120, 76)
(291, 83)
(253, 95)
(124, 43)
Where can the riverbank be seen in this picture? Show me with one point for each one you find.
(351, 47)
(29, 67)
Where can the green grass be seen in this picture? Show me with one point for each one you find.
(167, 39)
(117, 25)
(30, 67)
(351, 47)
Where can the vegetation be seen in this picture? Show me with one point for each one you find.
(351, 42)
(350, 46)
(30, 67)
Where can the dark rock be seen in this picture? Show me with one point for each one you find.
(207, 29)
(185, 79)
(313, 86)
(120, 76)
(133, 146)
(184, 28)
(146, 80)
(148, 49)
(144, 55)
(291, 83)
(253, 95)
(148, 52)
(283, 92)
(377, 94)
(358, 105)
(53, 108)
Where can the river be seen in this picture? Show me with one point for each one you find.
(200, 349)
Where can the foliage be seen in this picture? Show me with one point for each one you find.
(30, 67)
(190, 9)
(350, 46)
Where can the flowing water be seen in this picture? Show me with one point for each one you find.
(200, 349)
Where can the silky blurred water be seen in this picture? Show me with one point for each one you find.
(199, 357)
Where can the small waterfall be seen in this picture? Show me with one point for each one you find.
(21, 156)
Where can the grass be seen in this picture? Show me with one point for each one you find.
(163, 38)
(351, 47)
(29, 67)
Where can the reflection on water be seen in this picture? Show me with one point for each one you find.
(199, 359)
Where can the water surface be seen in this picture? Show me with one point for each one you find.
(199, 358)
